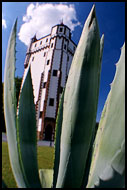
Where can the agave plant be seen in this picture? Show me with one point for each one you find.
(79, 160)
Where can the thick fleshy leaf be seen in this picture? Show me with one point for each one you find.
(115, 181)
(10, 107)
(109, 149)
(27, 134)
(88, 161)
(46, 177)
(3, 185)
(57, 139)
(80, 106)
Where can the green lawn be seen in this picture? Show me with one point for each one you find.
(45, 160)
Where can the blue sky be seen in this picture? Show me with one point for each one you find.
(111, 20)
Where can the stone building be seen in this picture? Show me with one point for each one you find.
(50, 58)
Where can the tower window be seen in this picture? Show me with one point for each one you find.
(44, 54)
(61, 29)
(35, 45)
(44, 84)
(32, 58)
(46, 39)
(51, 45)
(48, 62)
(68, 58)
(54, 73)
(51, 102)
(61, 89)
(40, 116)
(65, 46)
(40, 42)
(70, 35)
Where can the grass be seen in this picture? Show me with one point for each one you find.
(45, 160)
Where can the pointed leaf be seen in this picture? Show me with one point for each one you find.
(57, 139)
(10, 107)
(80, 106)
(26, 134)
(110, 140)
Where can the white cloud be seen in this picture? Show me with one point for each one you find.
(4, 25)
(40, 18)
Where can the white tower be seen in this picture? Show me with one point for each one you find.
(50, 58)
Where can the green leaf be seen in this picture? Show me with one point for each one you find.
(26, 134)
(46, 177)
(80, 106)
(88, 161)
(110, 140)
(10, 107)
(115, 181)
(3, 185)
(57, 139)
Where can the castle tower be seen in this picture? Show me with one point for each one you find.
(50, 58)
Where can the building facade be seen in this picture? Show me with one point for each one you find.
(50, 59)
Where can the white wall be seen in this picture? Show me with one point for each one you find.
(37, 67)
(42, 99)
(39, 124)
(67, 32)
(54, 29)
(56, 59)
(50, 110)
(59, 43)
